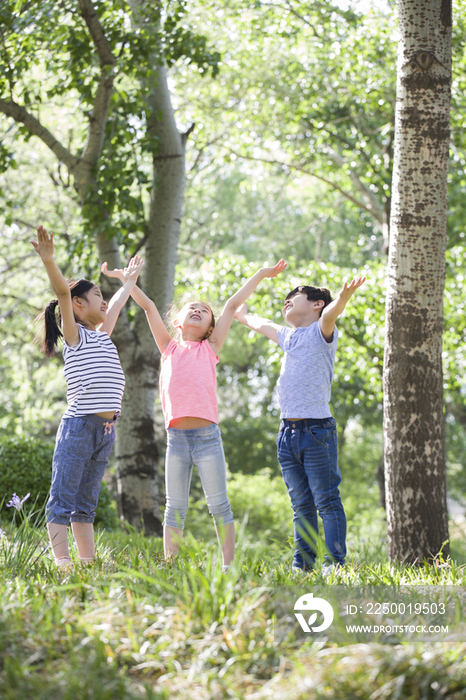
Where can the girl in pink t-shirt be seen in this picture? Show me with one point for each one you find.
(188, 387)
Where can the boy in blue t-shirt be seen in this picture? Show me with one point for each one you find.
(307, 441)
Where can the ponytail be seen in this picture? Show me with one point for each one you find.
(49, 337)
(51, 326)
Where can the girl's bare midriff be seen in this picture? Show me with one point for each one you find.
(189, 422)
(108, 415)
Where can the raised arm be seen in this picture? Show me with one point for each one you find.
(161, 335)
(337, 306)
(258, 324)
(226, 317)
(119, 299)
(45, 248)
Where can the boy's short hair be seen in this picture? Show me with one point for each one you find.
(313, 294)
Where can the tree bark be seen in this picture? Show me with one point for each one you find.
(137, 458)
(413, 386)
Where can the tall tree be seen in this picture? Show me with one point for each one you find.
(413, 385)
(103, 66)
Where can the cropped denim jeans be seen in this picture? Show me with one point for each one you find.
(82, 449)
(202, 447)
(308, 456)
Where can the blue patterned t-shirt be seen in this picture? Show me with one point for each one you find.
(306, 375)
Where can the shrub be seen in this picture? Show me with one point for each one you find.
(26, 467)
(263, 497)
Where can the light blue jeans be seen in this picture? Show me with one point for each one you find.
(202, 447)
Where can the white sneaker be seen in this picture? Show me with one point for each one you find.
(65, 563)
(329, 569)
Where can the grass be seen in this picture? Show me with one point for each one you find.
(132, 627)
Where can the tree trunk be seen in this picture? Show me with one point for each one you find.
(136, 451)
(137, 458)
(413, 405)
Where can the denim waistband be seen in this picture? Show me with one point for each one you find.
(203, 431)
(98, 420)
(304, 423)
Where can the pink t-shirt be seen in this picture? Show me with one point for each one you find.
(188, 382)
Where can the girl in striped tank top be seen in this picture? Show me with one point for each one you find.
(189, 401)
(95, 383)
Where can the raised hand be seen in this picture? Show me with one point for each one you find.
(134, 268)
(119, 274)
(44, 244)
(128, 273)
(349, 288)
(275, 270)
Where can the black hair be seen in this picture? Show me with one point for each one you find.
(51, 327)
(313, 294)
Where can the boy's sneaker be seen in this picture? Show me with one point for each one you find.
(329, 569)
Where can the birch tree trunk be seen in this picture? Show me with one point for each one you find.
(137, 458)
(413, 407)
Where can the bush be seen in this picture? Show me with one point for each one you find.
(263, 497)
(265, 500)
(26, 467)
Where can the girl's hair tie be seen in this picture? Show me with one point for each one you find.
(49, 311)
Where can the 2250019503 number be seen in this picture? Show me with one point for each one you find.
(402, 608)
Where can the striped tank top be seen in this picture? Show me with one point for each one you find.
(93, 373)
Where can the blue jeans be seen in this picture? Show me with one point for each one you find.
(203, 447)
(82, 449)
(308, 456)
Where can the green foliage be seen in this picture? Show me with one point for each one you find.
(49, 57)
(249, 440)
(265, 502)
(259, 501)
(310, 92)
(457, 174)
(360, 453)
(301, 103)
(26, 467)
(236, 206)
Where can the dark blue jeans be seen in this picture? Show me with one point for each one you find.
(308, 456)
